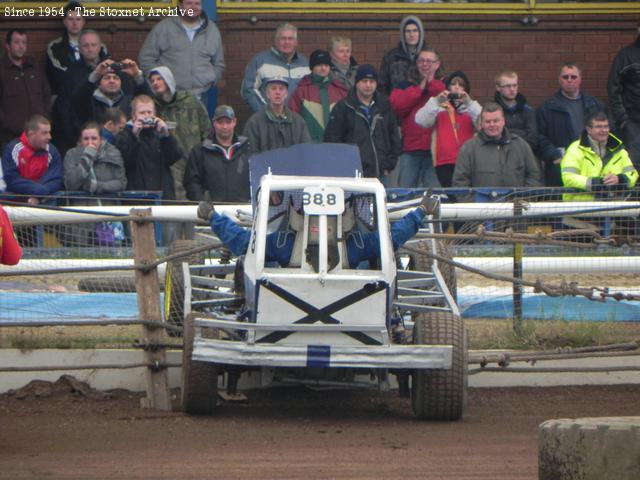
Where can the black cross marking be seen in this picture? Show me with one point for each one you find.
(323, 315)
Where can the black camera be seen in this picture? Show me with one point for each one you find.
(148, 122)
(116, 66)
(452, 97)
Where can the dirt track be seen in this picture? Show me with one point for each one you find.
(290, 433)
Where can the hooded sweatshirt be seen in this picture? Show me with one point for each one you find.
(396, 62)
(191, 119)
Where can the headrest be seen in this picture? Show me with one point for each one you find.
(314, 228)
(296, 219)
(348, 218)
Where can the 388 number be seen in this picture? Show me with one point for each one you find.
(318, 199)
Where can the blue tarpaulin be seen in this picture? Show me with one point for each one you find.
(543, 307)
(38, 306)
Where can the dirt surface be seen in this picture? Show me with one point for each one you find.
(66, 431)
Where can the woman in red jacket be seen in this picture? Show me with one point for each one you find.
(10, 251)
(451, 115)
(416, 165)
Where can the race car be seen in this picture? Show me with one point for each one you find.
(324, 316)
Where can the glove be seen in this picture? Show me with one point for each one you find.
(88, 157)
(205, 211)
(430, 204)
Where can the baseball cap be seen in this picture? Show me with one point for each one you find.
(224, 111)
(277, 79)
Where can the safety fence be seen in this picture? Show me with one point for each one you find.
(518, 254)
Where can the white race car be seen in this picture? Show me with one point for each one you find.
(319, 318)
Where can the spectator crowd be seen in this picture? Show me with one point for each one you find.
(90, 123)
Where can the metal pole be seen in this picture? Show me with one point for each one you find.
(517, 272)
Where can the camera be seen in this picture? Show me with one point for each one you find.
(148, 122)
(116, 66)
(454, 96)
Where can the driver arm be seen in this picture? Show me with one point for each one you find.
(234, 237)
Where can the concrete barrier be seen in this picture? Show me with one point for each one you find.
(606, 448)
(133, 379)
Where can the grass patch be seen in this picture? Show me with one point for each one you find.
(72, 337)
(66, 343)
(547, 335)
(484, 334)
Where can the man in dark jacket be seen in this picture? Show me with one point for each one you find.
(66, 125)
(396, 62)
(365, 119)
(519, 116)
(495, 157)
(108, 86)
(24, 90)
(64, 51)
(561, 120)
(148, 150)
(220, 166)
(623, 88)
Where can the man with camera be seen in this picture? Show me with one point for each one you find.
(148, 150)
(109, 85)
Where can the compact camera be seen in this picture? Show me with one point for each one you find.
(116, 66)
(452, 97)
(149, 122)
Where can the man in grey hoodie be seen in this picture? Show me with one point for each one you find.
(186, 118)
(396, 62)
(190, 45)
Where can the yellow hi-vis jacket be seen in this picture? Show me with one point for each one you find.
(583, 169)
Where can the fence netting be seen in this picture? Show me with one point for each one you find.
(558, 247)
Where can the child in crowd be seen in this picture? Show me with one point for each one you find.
(113, 121)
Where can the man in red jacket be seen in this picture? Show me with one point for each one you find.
(31, 166)
(415, 168)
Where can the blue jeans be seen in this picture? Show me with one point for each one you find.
(417, 170)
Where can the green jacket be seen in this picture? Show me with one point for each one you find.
(583, 169)
(192, 121)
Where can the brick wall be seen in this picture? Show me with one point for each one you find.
(480, 45)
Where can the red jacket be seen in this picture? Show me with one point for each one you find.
(446, 143)
(10, 251)
(405, 103)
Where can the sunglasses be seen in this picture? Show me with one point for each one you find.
(567, 77)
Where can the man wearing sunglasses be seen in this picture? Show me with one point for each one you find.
(561, 120)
